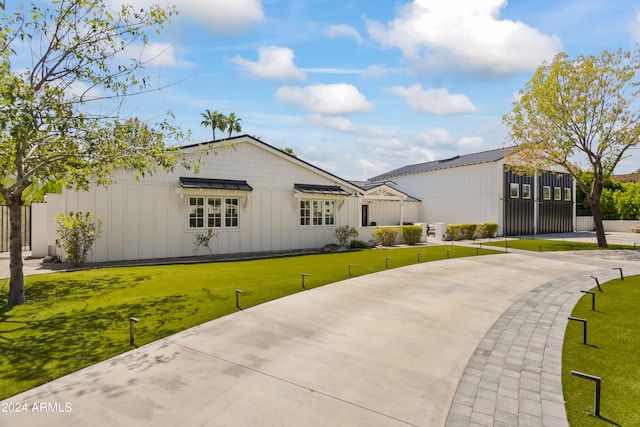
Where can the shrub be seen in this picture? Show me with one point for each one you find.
(411, 234)
(468, 230)
(77, 232)
(359, 244)
(344, 233)
(386, 236)
(204, 240)
(454, 232)
(490, 229)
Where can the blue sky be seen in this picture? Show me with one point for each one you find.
(362, 87)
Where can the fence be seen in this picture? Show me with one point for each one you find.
(5, 228)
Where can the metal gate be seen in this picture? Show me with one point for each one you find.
(5, 228)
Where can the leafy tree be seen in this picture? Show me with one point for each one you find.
(214, 120)
(233, 124)
(581, 115)
(75, 51)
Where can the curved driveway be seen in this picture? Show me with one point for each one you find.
(388, 349)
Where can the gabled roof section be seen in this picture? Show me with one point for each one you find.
(334, 190)
(373, 189)
(215, 184)
(453, 162)
(274, 150)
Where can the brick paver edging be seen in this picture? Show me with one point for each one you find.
(514, 377)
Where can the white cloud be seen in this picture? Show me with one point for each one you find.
(77, 90)
(468, 34)
(154, 54)
(340, 98)
(434, 137)
(219, 16)
(376, 71)
(332, 122)
(470, 141)
(343, 31)
(273, 62)
(437, 102)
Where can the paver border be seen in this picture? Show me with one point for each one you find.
(514, 377)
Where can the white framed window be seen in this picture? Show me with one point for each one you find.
(317, 212)
(231, 212)
(546, 192)
(557, 193)
(526, 191)
(567, 194)
(305, 212)
(221, 212)
(514, 190)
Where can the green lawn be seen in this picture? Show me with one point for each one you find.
(549, 245)
(75, 319)
(612, 353)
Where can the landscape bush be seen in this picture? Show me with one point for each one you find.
(344, 233)
(386, 236)
(411, 234)
(454, 232)
(488, 229)
(77, 232)
(359, 244)
(468, 230)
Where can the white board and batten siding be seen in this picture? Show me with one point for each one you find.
(148, 218)
(466, 194)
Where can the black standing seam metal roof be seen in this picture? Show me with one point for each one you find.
(321, 189)
(215, 184)
(453, 162)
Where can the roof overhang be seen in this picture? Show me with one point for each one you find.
(326, 190)
(227, 185)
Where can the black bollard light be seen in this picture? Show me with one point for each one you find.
(593, 299)
(386, 262)
(238, 292)
(303, 276)
(584, 327)
(597, 380)
(132, 329)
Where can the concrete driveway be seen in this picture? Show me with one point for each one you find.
(387, 349)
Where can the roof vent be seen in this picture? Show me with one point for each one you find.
(448, 160)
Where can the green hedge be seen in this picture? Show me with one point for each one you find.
(411, 234)
(471, 231)
(386, 236)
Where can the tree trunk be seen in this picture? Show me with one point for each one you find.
(16, 283)
(594, 201)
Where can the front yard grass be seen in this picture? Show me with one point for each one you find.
(612, 354)
(75, 319)
(549, 245)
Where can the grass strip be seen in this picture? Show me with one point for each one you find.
(549, 245)
(611, 353)
(75, 319)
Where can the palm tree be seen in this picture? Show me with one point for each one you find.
(234, 123)
(215, 120)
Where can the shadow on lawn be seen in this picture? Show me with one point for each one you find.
(67, 341)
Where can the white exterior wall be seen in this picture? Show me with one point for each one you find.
(149, 218)
(467, 194)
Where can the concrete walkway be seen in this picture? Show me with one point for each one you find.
(471, 341)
